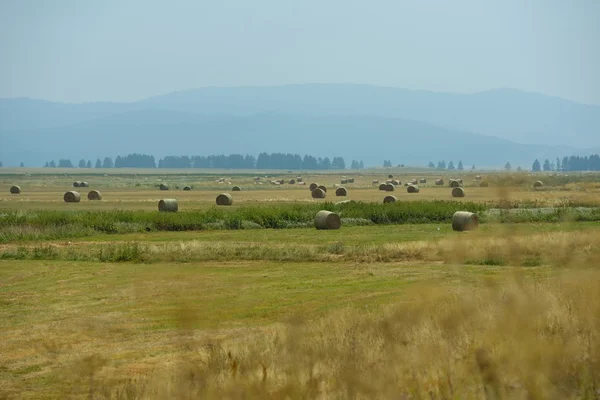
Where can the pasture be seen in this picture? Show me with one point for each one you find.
(112, 299)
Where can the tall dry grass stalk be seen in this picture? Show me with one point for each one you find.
(523, 338)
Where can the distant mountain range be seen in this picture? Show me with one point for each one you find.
(354, 121)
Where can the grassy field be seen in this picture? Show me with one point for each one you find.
(402, 309)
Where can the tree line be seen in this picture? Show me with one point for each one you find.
(233, 161)
(450, 166)
(572, 163)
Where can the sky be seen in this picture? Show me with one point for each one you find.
(117, 50)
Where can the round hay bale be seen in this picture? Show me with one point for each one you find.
(187, 187)
(412, 189)
(413, 181)
(390, 188)
(390, 176)
(94, 195)
(77, 184)
(15, 190)
(350, 180)
(341, 192)
(318, 193)
(343, 181)
(168, 205)
(327, 220)
(458, 192)
(389, 199)
(323, 188)
(383, 186)
(454, 183)
(84, 184)
(282, 181)
(163, 186)
(422, 180)
(298, 179)
(484, 184)
(439, 182)
(302, 183)
(464, 221)
(72, 197)
(375, 181)
(313, 186)
(389, 181)
(292, 181)
(236, 189)
(224, 199)
(538, 184)
(396, 182)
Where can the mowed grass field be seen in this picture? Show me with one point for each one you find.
(382, 311)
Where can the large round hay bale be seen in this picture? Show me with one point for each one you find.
(163, 186)
(77, 184)
(168, 205)
(343, 181)
(396, 182)
(94, 195)
(458, 192)
(327, 220)
(422, 180)
(538, 184)
(236, 189)
(292, 181)
(439, 182)
(350, 180)
(187, 187)
(323, 188)
(464, 221)
(454, 183)
(341, 192)
(383, 186)
(412, 189)
(389, 187)
(84, 184)
(389, 199)
(313, 186)
(318, 193)
(72, 197)
(224, 199)
(15, 190)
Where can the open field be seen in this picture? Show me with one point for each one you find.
(114, 300)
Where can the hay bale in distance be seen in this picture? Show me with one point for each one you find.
(341, 191)
(84, 184)
(318, 193)
(292, 181)
(390, 176)
(439, 182)
(77, 184)
(236, 189)
(375, 181)
(168, 205)
(15, 190)
(464, 221)
(390, 187)
(327, 220)
(323, 188)
(302, 183)
(413, 181)
(224, 199)
(72, 197)
(458, 192)
(383, 186)
(94, 195)
(413, 189)
(477, 177)
(538, 184)
(313, 186)
(454, 183)
(396, 182)
(163, 186)
(187, 187)
(422, 180)
(298, 179)
(389, 199)
(343, 181)
(350, 180)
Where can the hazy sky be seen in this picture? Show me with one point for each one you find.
(126, 50)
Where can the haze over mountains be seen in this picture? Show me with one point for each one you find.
(354, 121)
